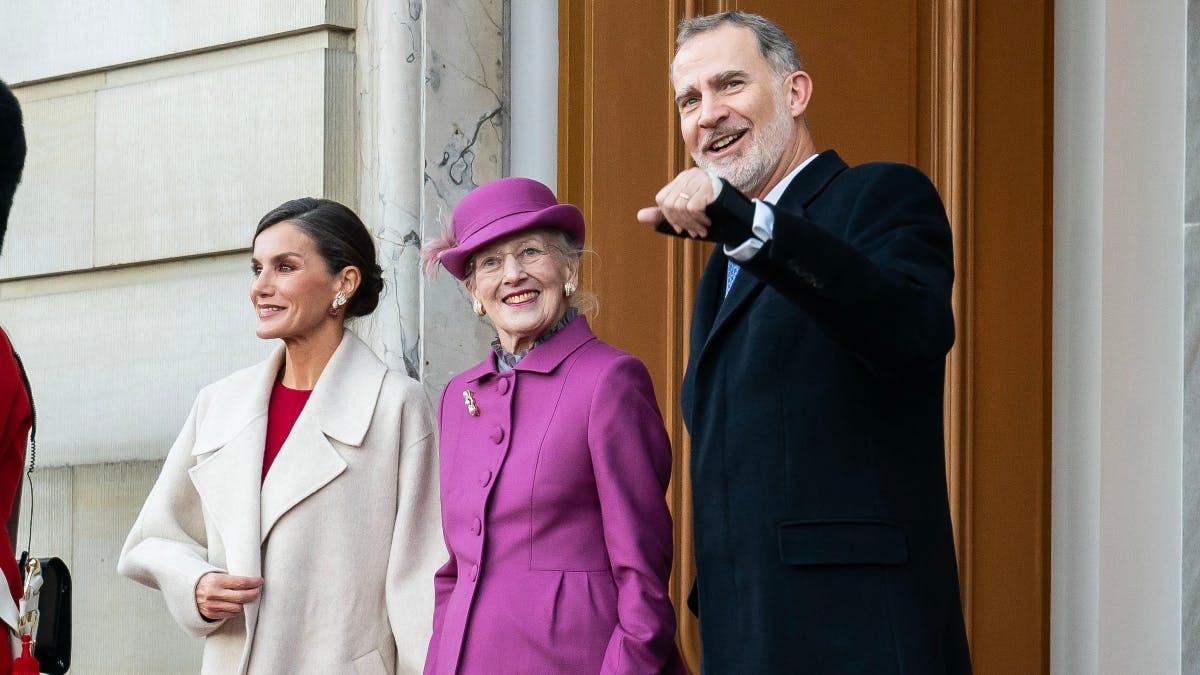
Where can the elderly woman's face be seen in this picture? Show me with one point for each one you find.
(519, 280)
(293, 287)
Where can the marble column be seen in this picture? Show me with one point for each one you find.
(466, 140)
(390, 48)
(432, 105)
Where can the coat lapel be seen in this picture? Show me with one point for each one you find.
(233, 433)
(708, 300)
(339, 409)
(745, 287)
(548, 355)
(804, 188)
(228, 486)
(545, 357)
(306, 462)
(812, 180)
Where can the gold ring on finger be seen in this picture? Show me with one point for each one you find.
(684, 196)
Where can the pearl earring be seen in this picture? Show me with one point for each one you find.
(569, 289)
(477, 307)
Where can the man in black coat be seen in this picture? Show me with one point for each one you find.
(813, 391)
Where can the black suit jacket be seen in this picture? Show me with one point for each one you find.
(813, 396)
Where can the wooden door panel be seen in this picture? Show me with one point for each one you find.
(611, 164)
(862, 56)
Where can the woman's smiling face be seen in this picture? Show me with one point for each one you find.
(519, 280)
(293, 287)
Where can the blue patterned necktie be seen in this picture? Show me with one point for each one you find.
(731, 272)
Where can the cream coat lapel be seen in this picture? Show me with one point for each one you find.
(227, 483)
(340, 410)
(233, 433)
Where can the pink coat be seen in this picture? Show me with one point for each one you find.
(554, 515)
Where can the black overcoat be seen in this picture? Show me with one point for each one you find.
(813, 396)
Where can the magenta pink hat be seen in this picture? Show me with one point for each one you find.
(497, 209)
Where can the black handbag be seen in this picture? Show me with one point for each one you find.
(52, 648)
(48, 621)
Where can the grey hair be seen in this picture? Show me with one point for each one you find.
(583, 300)
(774, 44)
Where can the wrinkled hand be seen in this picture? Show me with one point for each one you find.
(681, 203)
(221, 596)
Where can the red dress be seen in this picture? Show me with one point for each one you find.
(282, 411)
(16, 417)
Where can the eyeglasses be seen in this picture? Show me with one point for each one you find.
(527, 254)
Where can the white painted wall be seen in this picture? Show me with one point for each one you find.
(1118, 311)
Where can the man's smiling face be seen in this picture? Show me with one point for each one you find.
(733, 109)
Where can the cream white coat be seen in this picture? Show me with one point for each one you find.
(344, 530)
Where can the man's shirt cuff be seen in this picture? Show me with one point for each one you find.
(763, 228)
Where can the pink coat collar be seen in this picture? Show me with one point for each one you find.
(545, 357)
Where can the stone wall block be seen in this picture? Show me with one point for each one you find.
(50, 226)
(139, 631)
(188, 164)
(92, 35)
(115, 369)
(340, 178)
(52, 497)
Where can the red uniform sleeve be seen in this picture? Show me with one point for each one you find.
(16, 417)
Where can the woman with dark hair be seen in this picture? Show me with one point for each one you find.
(554, 464)
(322, 565)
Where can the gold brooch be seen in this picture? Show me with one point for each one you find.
(470, 401)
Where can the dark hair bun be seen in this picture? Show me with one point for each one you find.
(366, 298)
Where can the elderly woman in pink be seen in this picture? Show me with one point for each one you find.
(554, 464)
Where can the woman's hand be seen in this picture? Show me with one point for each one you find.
(221, 596)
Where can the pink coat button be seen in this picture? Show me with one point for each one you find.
(497, 435)
(473, 574)
(502, 386)
(476, 527)
(485, 478)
